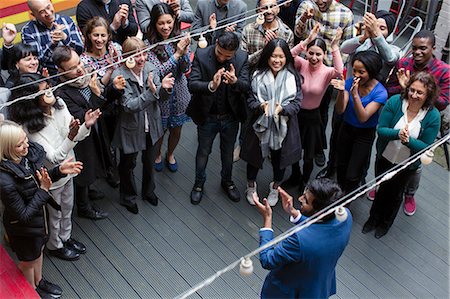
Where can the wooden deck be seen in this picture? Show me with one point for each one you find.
(164, 250)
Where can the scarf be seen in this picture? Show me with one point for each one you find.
(81, 82)
(271, 129)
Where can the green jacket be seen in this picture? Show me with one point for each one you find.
(391, 114)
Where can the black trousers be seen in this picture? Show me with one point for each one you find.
(353, 152)
(278, 173)
(128, 190)
(389, 196)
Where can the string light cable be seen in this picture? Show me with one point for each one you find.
(425, 155)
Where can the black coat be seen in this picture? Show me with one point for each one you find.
(87, 9)
(291, 148)
(203, 69)
(94, 150)
(24, 201)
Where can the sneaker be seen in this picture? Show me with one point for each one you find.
(371, 194)
(273, 196)
(409, 206)
(50, 288)
(249, 193)
(236, 153)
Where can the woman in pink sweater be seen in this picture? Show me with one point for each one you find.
(315, 79)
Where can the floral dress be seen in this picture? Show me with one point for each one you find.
(173, 111)
(99, 63)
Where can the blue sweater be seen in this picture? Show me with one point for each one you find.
(389, 117)
(303, 265)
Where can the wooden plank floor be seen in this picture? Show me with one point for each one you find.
(164, 250)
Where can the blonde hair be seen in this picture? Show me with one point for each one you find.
(9, 137)
(132, 45)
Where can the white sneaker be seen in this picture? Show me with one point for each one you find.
(249, 193)
(236, 153)
(273, 196)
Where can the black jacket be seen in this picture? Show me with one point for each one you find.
(24, 201)
(203, 69)
(87, 9)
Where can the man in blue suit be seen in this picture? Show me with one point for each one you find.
(303, 265)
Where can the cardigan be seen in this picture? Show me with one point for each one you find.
(390, 115)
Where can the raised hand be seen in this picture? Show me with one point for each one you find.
(355, 87)
(45, 72)
(403, 77)
(231, 28)
(123, 13)
(263, 208)
(217, 79)
(230, 76)
(45, 182)
(336, 39)
(58, 33)
(270, 35)
(90, 117)
(9, 33)
(287, 202)
(73, 128)
(71, 167)
(371, 24)
(150, 83)
(212, 21)
(93, 84)
(168, 81)
(119, 82)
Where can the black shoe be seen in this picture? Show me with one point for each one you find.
(292, 181)
(231, 190)
(49, 288)
(96, 194)
(319, 159)
(133, 209)
(75, 245)
(381, 231)
(93, 214)
(152, 199)
(44, 295)
(368, 226)
(196, 194)
(65, 253)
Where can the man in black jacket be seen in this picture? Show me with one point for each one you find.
(219, 82)
(119, 13)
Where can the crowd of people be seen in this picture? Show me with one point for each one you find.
(265, 87)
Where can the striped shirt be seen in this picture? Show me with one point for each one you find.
(36, 34)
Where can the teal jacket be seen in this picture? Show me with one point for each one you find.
(391, 114)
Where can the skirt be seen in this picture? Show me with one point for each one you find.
(310, 125)
(27, 249)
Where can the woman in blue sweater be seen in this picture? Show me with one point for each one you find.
(408, 124)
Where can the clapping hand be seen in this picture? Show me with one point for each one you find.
(168, 81)
(119, 82)
(150, 83)
(58, 33)
(263, 208)
(71, 167)
(90, 117)
(404, 135)
(229, 77)
(9, 33)
(93, 84)
(403, 77)
(212, 21)
(371, 25)
(45, 182)
(265, 108)
(336, 39)
(231, 28)
(217, 78)
(355, 87)
(287, 202)
(278, 109)
(338, 83)
(73, 128)
(270, 35)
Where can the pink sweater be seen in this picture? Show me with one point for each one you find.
(316, 79)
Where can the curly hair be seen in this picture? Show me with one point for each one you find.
(429, 82)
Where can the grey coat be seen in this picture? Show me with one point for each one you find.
(144, 8)
(205, 8)
(129, 135)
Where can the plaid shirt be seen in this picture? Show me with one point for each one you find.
(36, 34)
(253, 39)
(439, 69)
(337, 15)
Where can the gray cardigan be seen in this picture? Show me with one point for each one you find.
(135, 102)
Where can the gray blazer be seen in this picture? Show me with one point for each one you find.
(144, 7)
(205, 8)
(135, 102)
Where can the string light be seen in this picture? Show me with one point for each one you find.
(427, 157)
(341, 214)
(130, 63)
(246, 267)
(260, 19)
(202, 43)
(49, 97)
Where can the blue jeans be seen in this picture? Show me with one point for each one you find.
(228, 129)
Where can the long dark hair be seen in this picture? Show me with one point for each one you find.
(432, 88)
(153, 35)
(20, 51)
(319, 42)
(28, 112)
(263, 63)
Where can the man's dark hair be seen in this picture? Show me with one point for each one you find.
(426, 34)
(325, 192)
(61, 54)
(372, 62)
(228, 41)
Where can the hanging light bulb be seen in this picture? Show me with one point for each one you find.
(427, 157)
(341, 214)
(49, 97)
(130, 63)
(260, 19)
(202, 43)
(246, 267)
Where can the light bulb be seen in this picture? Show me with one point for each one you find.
(246, 267)
(341, 214)
(49, 98)
(260, 19)
(427, 157)
(202, 43)
(131, 63)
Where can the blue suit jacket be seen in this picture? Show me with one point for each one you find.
(303, 265)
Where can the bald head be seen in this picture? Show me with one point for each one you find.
(43, 11)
